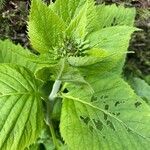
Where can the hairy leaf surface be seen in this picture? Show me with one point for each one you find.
(85, 22)
(112, 15)
(113, 40)
(68, 9)
(20, 108)
(16, 54)
(45, 27)
(113, 118)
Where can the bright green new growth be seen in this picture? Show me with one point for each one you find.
(83, 47)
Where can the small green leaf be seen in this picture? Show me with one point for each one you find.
(84, 22)
(113, 118)
(45, 28)
(20, 108)
(68, 9)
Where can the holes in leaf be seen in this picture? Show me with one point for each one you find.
(104, 96)
(117, 114)
(93, 98)
(119, 102)
(85, 120)
(106, 107)
(105, 116)
(91, 128)
(104, 137)
(65, 90)
(110, 124)
(129, 130)
(98, 124)
(114, 22)
(137, 104)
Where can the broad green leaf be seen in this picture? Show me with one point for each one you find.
(20, 108)
(16, 54)
(141, 88)
(113, 118)
(68, 9)
(114, 40)
(99, 61)
(112, 15)
(45, 28)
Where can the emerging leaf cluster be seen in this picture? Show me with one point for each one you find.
(74, 85)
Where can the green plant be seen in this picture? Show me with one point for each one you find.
(2, 2)
(74, 86)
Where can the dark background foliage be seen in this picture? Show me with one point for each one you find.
(13, 17)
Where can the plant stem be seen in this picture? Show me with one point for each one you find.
(55, 89)
(53, 135)
(50, 125)
(50, 104)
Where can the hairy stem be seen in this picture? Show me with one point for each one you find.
(50, 124)
(51, 102)
(55, 89)
(50, 105)
(53, 135)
